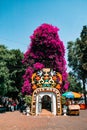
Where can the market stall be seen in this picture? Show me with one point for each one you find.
(73, 109)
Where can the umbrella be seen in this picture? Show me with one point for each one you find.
(71, 94)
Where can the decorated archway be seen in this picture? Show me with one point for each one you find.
(54, 96)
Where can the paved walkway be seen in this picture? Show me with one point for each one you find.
(18, 121)
(45, 112)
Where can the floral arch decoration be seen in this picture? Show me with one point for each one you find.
(46, 78)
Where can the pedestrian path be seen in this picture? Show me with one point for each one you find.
(17, 121)
(45, 112)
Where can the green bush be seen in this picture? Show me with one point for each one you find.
(63, 100)
(28, 99)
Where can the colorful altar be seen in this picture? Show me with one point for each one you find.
(46, 85)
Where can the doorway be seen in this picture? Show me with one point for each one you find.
(46, 102)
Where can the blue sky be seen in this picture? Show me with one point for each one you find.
(19, 18)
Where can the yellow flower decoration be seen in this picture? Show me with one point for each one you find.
(60, 78)
(33, 76)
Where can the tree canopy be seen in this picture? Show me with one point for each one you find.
(74, 83)
(46, 50)
(11, 70)
(77, 57)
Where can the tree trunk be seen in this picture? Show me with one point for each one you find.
(84, 91)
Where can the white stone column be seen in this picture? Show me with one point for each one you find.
(54, 104)
(37, 105)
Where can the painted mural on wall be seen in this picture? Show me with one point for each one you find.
(46, 78)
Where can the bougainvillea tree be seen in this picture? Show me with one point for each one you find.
(46, 50)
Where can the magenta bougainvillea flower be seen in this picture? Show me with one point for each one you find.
(45, 50)
(38, 66)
